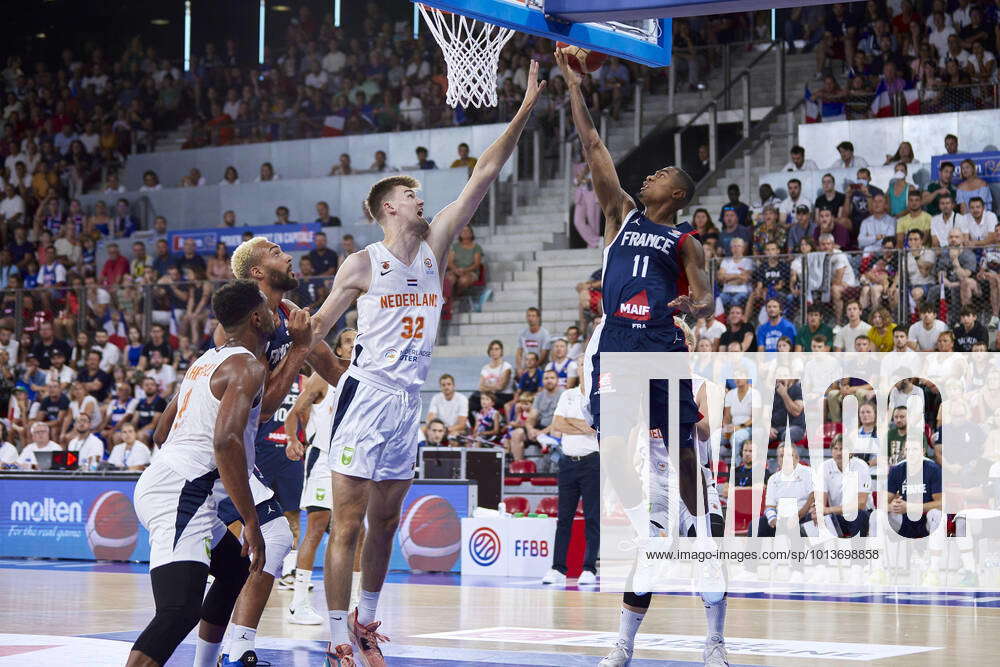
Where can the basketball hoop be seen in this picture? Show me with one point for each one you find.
(471, 54)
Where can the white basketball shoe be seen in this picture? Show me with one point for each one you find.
(303, 614)
(715, 654)
(620, 656)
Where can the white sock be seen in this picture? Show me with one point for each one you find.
(628, 625)
(338, 627)
(716, 616)
(288, 564)
(242, 641)
(367, 604)
(206, 653)
(302, 579)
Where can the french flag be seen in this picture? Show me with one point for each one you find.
(811, 108)
(882, 104)
(912, 97)
(831, 111)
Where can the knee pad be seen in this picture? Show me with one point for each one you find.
(177, 591)
(230, 569)
(277, 545)
(718, 525)
(637, 601)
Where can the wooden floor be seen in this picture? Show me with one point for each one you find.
(70, 601)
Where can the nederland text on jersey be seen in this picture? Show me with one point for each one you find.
(403, 300)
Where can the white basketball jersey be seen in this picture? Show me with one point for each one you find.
(398, 319)
(319, 428)
(190, 448)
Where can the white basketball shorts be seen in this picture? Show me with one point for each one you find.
(375, 431)
(180, 515)
(318, 488)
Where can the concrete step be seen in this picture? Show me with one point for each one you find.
(571, 273)
(507, 315)
(475, 344)
(581, 255)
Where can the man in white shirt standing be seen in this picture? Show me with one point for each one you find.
(848, 160)
(980, 224)
(947, 220)
(856, 477)
(88, 446)
(450, 407)
(925, 332)
(579, 479)
(841, 275)
(39, 443)
(110, 354)
(798, 161)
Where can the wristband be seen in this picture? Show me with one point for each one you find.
(771, 514)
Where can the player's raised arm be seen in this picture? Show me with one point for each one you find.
(241, 377)
(615, 202)
(321, 357)
(351, 281)
(450, 220)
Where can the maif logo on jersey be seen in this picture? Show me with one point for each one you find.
(636, 308)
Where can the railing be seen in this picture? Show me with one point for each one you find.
(922, 100)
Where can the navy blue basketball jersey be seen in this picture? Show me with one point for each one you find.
(280, 340)
(643, 272)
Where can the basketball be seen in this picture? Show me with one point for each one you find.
(112, 527)
(582, 60)
(430, 535)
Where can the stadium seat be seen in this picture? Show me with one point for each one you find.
(512, 481)
(515, 504)
(522, 467)
(723, 473)
(548, 505)
(744, 516)
(544, 481)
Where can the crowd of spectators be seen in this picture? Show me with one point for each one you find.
(946, 50)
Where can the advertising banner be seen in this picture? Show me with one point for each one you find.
(987, 165)
(78, 518)
(295, 236)
(507, 547)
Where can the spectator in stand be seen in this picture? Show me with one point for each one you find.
(788, 418)
(738, 331)
(163, 373)
(709, 330)
(347, 247)
(46, 346)
(59, 371)
(795, 200)
(150, 181)
(989, 272)
(436, 435)
(774, 328)
(282, 216)
(51, 408)
(81, 402)
(769, 231)
(148, 410)
(163, 260)
(913, 219)
(496, 376)
(157, 343)
(464, 160)
(826, 223)
(563, 366)
(969, 330)
(956, 268)
(110, 354)
(736, 415)
(97, 382)
(688, 57)
(267, 173)
(946, 221)
(217, 267)
(586, 208)
(950, 144)
(82, 440)
(814, 327)
(844, 338)
(920, 263)
(465, 263)
(422, 160)
(230, 177)
(120, 410)
(848, 160)
(741, 209)
(924, 333)
(130, 453)
(533, 338)
(732, 230)
(971, 187)
(343, 167)
(702, 223)
(450, 406)
(539, 422)
(939, 188)
(190, 259)
(981, 224)
(574, 343)
(765, 199)
(379, 165)
(115, 267)
(882, 331)
(487, 420)
(323, 215)
(798, 161)
(735, 274)
(802, 228)
(40, 442)
(530, 380)
(903, 154)
(324, 260)
(702, 166)
(831, 200)
(411, 109)
(877, 226)
(742, 475)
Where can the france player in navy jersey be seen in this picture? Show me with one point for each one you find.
(654, 268)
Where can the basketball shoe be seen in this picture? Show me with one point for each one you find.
(248, 659)
(366, 639)
(715, 654)
(303, 614)
(341, 655)
(620, 656)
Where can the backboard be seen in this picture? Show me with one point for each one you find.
(645, 40)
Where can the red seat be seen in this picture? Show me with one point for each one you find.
(723, 473)
(515, 504)
(744, 516)
(512, 481)
(548, 505)
(543, 481)
(521, 467)
(830, 430)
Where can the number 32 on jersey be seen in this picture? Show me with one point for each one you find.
(413, 327)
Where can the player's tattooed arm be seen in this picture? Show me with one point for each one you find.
(615, 202)
(236, 384)
(699, 301)
(351, 281)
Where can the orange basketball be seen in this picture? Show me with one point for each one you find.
(430, 535)
(112, 526)
(582, 60)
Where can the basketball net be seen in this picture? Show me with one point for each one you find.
(471, 54)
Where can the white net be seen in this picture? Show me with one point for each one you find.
(471, 54)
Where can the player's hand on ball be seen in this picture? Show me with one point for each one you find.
(294, 450)
(253, 546)
(300, 327)
(535, 87)
(571, 77)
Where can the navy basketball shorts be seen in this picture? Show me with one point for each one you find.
(610, 336)
(281, 474)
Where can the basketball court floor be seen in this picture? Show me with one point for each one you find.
(64, 612)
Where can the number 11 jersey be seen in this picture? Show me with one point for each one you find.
(398, 319)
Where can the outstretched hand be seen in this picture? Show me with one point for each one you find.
(535, 87)
(568, 74)
(683, 303)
